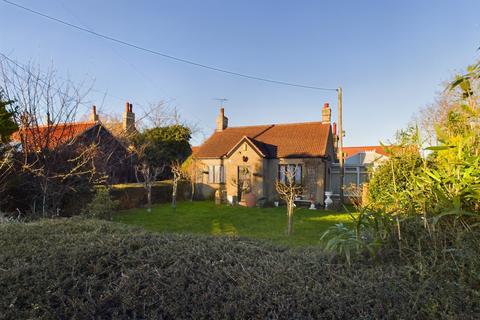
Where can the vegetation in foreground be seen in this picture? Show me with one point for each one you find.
(204, 217)
(425, 199)
(83, 269)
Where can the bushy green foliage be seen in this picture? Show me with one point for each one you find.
(91, 269)
(162, 145)
(102, 204)
(390, 189)
(451, 183)
(7, 123)
(447, 181)
(419, 206)
(344, 241)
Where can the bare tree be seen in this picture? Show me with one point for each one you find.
(190, 170)
(149, 176)
(162, 114)
(156, 115)
(431, 117)
(288, 191)
(147, 173)
(47, 106)
(178, 175)
(158, 148)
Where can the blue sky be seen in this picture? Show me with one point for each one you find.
(390, 57)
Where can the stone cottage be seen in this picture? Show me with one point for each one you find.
(235, 160)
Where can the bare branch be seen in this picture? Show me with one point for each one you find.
(289, 191)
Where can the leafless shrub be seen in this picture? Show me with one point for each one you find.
(47, 105)
(178, 174)
(289, 192)
(147, 175)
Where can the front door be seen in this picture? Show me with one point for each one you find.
(244, 181)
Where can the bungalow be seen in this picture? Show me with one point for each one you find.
(236, 160)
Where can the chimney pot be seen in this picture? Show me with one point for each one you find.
(326, 105)
(334, 128)
(127, 106)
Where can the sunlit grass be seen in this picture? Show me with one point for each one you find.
(140, 185)
(335, 218)
(204, 217)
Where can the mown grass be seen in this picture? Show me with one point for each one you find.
(90, 269)
(204, 217)
(140, 185)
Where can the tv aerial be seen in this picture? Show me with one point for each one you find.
(222, 101)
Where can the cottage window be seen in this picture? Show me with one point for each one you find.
(285, 168)
(216, 174)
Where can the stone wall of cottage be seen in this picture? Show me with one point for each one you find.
(264, 173)
(313, 177)
(205, 189)
(245, 155)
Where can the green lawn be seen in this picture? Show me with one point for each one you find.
(204, 217)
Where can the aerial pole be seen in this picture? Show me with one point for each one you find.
(341, 173)
(222, 101)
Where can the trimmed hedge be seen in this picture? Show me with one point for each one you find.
(134, 195)
(88, 269)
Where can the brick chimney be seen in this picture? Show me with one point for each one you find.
(128, 119)
(326, 114)
(222, 121)
(93, 114)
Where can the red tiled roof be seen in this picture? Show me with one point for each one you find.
(194, 149)
(307, 139)
(50, 136)
(351, 151)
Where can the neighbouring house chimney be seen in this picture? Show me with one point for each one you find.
(128, 120)
(326, 114)
(93, 114)
(222, 121)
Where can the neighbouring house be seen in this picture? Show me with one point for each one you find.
(359, 161)
(239, 160)
(112, 156)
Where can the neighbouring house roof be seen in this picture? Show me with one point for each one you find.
(51, 136)
(351, 151)
(294, 140)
